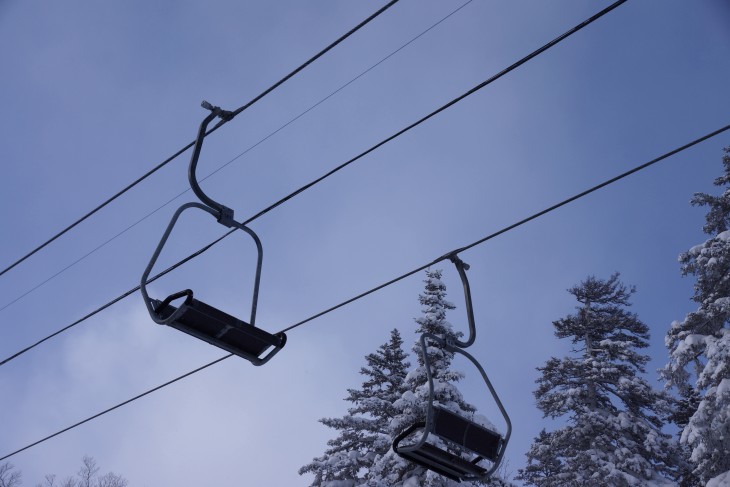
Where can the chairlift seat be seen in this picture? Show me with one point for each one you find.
(462, 433)
(443, 462)
(220, 329)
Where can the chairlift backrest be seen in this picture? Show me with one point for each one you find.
(467, 434)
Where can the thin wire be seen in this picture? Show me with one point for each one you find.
(250, 148)
(371, 149)
(188, 146)
(399, 278)
(314, 58)
(89, 253)
(115, 300)
(478, 87)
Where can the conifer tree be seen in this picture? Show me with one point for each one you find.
(613, 433)
(364, 431)
(389, 469)
(699, 345)
(684, 408)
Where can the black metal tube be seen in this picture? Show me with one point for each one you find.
(462, 268)
(257, 278)
(215, 112)
(145, 275)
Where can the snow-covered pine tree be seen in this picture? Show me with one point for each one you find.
(613, 433)
(684, 408)
(699, 346)
(364, 431)
(389, 469)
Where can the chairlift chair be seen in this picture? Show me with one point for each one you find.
(459, 434)
(196, 317)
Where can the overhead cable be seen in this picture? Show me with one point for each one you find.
(102, 413)
(514, 225)
(189, 145)
(247, 150)
(399, 278)
(338, 168)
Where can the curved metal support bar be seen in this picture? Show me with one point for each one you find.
(261, 361)
(427, 425)
(145, 275)
(429, 376)
(259, 262)
(407, 432)
(225, 214)
(462, 267)
(188, 293)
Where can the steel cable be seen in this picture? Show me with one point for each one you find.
(478, 87)
(250, 148)
(189, 145)
(399, 278)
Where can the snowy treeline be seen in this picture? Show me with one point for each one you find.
(390, 400)
(610, 419)
(699, 345)
(610, 438)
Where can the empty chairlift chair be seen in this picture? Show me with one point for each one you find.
(461, 435)
(446, 438)
(195, 317)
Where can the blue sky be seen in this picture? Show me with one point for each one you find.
(96, 93)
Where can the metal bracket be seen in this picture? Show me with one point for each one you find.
(226, 217)
(218, 111)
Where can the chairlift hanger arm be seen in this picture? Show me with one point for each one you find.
(225, 214)
(462, 267)
(195, 317)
